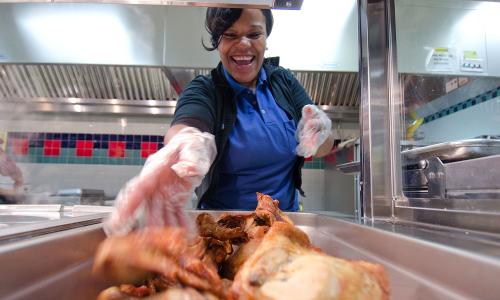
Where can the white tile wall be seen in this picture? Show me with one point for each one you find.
(313, 184)
(110, 178)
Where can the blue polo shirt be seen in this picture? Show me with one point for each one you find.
(260, 154)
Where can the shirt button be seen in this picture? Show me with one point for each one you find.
(263, 111)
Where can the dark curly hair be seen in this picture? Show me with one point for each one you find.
(219, 20)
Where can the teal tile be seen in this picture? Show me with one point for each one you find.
(22, 159)
(66, 152)
(100, 153)
(79, 160)
(31, 151)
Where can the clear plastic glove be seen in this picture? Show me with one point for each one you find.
(313, 130)
(157, 195)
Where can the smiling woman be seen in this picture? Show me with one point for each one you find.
(242, 43)
(244, 128)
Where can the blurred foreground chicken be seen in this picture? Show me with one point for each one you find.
(263, 252)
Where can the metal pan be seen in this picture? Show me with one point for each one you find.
(453, 151)
(59, 266)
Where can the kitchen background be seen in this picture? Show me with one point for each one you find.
(85, 149)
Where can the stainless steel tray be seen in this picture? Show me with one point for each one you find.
(350, 167)
(453, 151)
(58, 266)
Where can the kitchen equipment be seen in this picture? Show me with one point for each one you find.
(463, 169)
(58, 265)
(79, 196)
(19, 222)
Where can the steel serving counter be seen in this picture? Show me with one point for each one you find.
(58, 265)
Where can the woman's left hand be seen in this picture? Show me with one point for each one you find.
(313, 130)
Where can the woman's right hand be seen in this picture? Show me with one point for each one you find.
(165, 184)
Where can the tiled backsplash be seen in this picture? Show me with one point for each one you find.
(489, 95)
(79, 148)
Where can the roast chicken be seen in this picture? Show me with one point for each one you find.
(259, 255)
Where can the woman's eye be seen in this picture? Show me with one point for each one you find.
(254, 35)
(229, 36)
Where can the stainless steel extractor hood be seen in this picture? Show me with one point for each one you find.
(142, 89)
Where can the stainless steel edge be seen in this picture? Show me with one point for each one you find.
(376, 71)
(425, 211)
(364, 114)
(418, 269)
(28, 231)
(30, 266)
(395, 105)
(76, 105)
(136, 107)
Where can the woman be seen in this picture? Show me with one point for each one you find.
(9, 168)
(235, 132)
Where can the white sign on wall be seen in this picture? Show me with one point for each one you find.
(441, 59)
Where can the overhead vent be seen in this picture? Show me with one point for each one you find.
(132, 85)
(85, 81)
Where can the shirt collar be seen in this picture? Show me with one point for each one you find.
(238, 88)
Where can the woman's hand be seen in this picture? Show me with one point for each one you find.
(165, 183)
(313, 132)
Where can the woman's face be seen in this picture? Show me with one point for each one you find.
(242, 47)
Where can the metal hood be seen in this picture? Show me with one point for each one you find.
(142, 89)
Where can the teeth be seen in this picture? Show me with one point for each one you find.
(242, 57)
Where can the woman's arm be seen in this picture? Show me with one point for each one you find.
(326, 147)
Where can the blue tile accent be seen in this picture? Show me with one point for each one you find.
(491, 94)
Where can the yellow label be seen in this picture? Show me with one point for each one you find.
(470, 54)
(441, 49)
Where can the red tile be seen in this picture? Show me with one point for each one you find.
(148, 148)
(84, 148)
(350, 155)
(51, 147)
(116, 149)
(331, 158)
(20, 146)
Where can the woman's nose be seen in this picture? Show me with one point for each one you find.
(244, 41)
